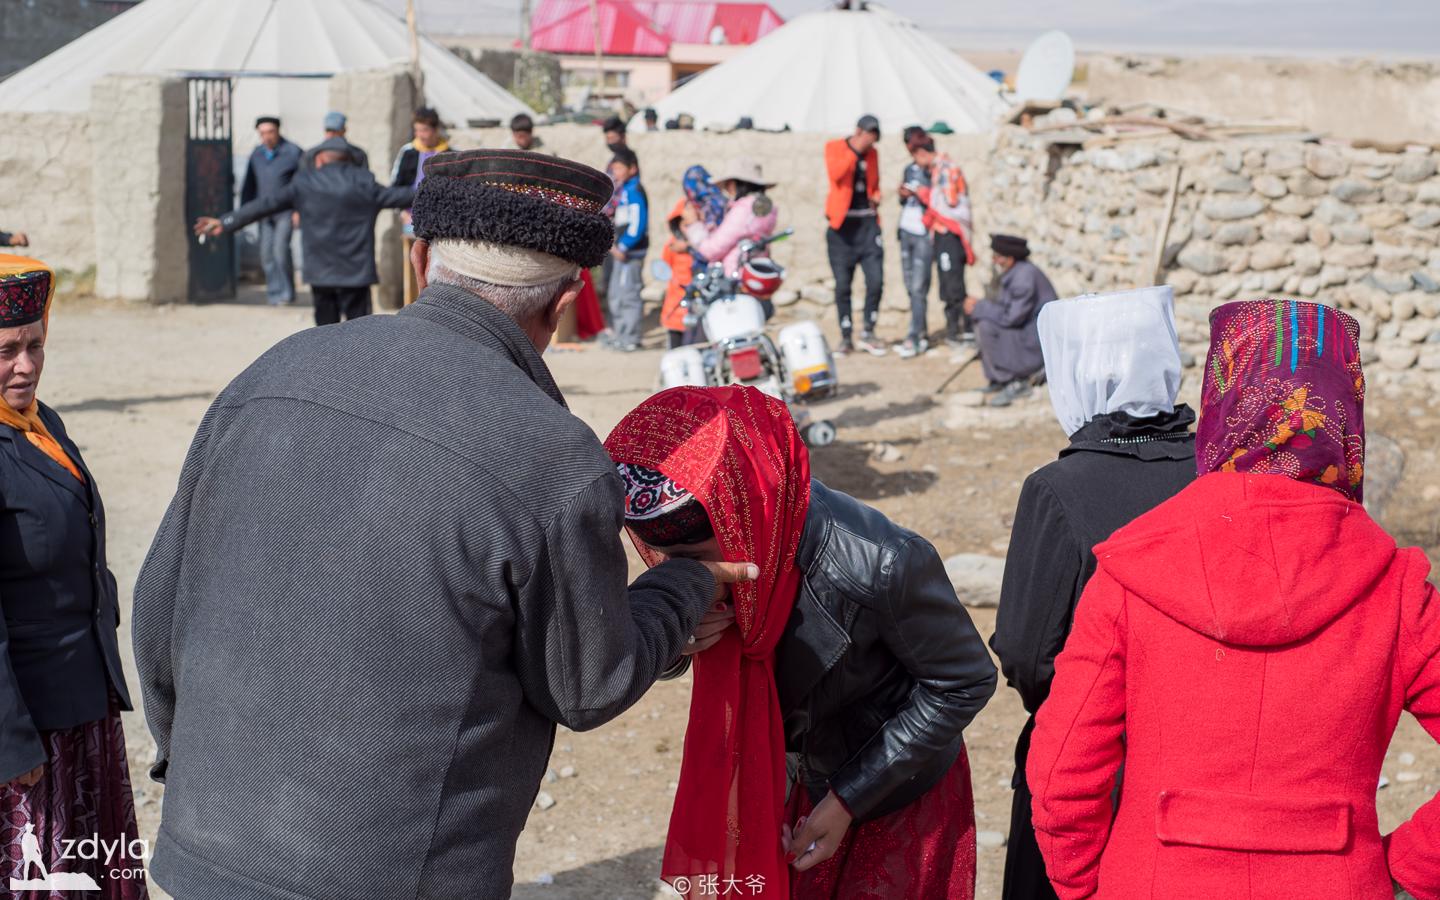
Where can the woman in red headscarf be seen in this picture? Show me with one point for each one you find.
(846, 681)
(1245, 650)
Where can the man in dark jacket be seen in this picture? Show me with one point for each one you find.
(1005, 324)
(272, 164)
(392, 565)
(338, 201)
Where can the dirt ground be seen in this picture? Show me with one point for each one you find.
(133, 382)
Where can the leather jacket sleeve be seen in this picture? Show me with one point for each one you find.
(930, 633)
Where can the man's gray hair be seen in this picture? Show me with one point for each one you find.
(519, 303)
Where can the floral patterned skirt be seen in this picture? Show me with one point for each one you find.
(925, 851)
(83, 813)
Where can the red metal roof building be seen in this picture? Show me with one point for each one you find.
(646, 27)
(648, 45)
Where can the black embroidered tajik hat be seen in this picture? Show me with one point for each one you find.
(530, 200)
(25, 288)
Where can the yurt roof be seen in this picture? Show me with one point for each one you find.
(260, 38)
(821, 71)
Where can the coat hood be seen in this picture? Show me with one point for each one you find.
(1252, 560)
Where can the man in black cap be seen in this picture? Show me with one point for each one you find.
(272, 164)
(392, 565)
(1005, 329)
(338, 201)
(852, 211)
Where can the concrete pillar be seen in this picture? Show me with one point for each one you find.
(378, 105)
(138, 133)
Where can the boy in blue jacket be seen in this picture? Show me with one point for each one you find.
(632, 224)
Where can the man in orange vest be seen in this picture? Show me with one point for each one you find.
(854, 234)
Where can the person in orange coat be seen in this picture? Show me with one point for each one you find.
(853, 168)
(676, 255)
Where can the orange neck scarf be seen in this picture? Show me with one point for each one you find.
(28, 422)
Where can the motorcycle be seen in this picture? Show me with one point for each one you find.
(731, 311)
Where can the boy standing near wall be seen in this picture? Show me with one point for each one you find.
(853, 238)
(632, 240)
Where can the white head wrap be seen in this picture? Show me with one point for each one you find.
(501, 264)
(1108, 353)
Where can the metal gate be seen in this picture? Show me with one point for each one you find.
(210, 187)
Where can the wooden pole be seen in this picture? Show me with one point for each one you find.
(1164, 237)
(525, 24)
(599, 52)
(415, 71)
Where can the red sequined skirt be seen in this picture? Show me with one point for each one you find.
(83, 817)
(925, 851)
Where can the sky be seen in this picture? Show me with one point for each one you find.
(1303, 27)
(1390, 28)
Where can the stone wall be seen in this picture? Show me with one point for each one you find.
(45, 161)
(795, 161)
(137, 138)
(378, 104)
(1358, 229)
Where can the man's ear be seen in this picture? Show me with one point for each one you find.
(420, 262)
(556, 310)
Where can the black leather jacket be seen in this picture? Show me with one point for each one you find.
(880, 668)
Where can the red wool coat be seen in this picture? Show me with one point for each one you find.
(1245, 649)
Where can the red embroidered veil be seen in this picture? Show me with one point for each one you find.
(737, 450)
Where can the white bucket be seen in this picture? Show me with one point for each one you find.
(682, 367)
(807, 358)
(736, 316)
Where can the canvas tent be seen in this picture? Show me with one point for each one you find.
(294, 38)
(822, 71)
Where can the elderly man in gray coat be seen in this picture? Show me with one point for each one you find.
(1005, 327)
(392, 565)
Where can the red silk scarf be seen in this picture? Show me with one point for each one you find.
(737, 450)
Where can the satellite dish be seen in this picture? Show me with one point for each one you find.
(1047, 68)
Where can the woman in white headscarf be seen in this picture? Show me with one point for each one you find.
(1112, 362)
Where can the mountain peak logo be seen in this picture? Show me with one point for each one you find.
(48, 881)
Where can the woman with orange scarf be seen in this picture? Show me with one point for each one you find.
(63, 773)
(824, 755)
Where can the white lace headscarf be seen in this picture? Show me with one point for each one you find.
(1108, 353)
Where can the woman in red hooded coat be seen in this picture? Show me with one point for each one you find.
(1245, 650)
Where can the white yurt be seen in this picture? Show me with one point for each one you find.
(285, 49)
(823, 70)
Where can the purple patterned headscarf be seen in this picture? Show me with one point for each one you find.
(1284, 394)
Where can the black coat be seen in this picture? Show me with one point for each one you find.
(880, 668)
(1115, 469)
(338, 205)
(60, 658)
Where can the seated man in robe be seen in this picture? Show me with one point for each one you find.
(1005, 330)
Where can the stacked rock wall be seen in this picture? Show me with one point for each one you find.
(1358, 229)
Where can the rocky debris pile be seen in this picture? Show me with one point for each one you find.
(1354, 228)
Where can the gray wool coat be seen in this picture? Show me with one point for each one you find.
(392, 565)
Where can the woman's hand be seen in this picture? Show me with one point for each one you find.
(32, 777)
(208, 226)
(816, 837)
(719, 617)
